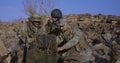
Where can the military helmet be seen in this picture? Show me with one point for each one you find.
(63, 22)
(35, 17)
(56, 13)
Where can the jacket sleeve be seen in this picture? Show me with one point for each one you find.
(72, 42)
(48, 26)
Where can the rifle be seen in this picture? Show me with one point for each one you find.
(25, 51)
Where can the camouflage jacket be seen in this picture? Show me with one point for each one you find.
(39, 45)
(29, 31)
(71, 36)
(52, 28)
(27, 35)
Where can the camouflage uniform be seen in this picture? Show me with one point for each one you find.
(35, 47)
(53, 27)
(27, 34)
(73, 38)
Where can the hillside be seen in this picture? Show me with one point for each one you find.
(92, 25)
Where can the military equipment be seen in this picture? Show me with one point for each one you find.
(48, 42)
(52, 28)
(56, 13)
(25, 51)
(35, 17)
(56, 31)
(44, 50)
(63, 22)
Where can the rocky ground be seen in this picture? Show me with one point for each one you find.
(94, 27)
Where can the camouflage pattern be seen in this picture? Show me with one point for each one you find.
(27, 34)
(77, 34)
(102, 34)
(40, 48)
(81, 53)
(35, 17)
(70, 38)
(43, 51)
(52, 28)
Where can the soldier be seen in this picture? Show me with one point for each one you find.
(35, 50)
(52, 24)
(31, 45)
(29, 30)
(69, 38)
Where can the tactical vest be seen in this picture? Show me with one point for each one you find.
(39, 48)
(44, 50)
(52, 28)
(67, 35)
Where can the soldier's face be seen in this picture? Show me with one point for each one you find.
(54, 19)
(63, 27)
(36, 23)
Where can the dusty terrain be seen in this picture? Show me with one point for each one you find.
(93, 25)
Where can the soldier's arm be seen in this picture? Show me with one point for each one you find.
(77, 35)
(48, 26)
